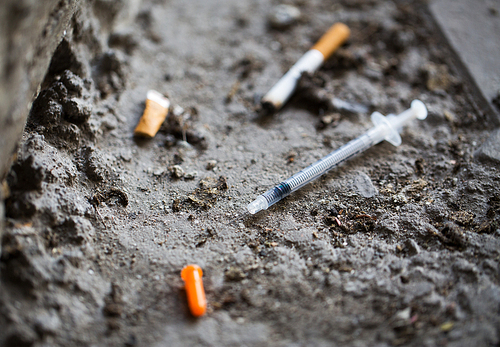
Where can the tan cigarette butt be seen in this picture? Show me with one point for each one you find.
(154, 114)
(332, 39)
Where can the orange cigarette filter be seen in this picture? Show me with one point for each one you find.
(332, 39)
(154, 114)
(192, 274)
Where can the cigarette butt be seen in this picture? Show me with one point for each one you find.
(154, 114)
(332, 39)
(309, 62)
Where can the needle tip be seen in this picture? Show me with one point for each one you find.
(257, 205)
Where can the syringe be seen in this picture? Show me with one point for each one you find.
(385, 128)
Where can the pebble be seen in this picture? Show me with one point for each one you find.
(126, 155)
(283, 16)
(412, 247)
(403, 314)
(48, 323)
(235, 274)
(211, 164)
(158, 171)
(364, 185)
(177, 171)
(191, 175)
(178, 110)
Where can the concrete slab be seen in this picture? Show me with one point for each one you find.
(472, 29)
(490, 150)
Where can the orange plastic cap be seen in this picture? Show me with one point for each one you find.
(192, 274)
(332, 39)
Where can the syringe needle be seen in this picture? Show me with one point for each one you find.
(385, 128)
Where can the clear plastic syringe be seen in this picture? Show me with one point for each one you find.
(385, 128)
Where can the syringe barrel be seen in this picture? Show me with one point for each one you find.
(325, 164)
(386, 128)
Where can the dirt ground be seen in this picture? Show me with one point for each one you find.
(398, 246)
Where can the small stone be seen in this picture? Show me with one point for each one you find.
(402, 318)
(158, 171)
(109, 121)
(412, 247)
(283, 16)
(330, 118)
(191, 175)
(364, 185)
(126, 155)
(211, 164)
(48, 323)
(177, 171)
(177, 110)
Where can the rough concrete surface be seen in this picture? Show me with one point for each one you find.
(29, 34)
(472, 28)
(398, 246)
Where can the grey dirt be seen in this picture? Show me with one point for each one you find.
(398, 246)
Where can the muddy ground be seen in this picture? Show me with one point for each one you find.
(398, 246)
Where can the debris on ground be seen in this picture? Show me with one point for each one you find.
(283, 16)
(397, 246)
